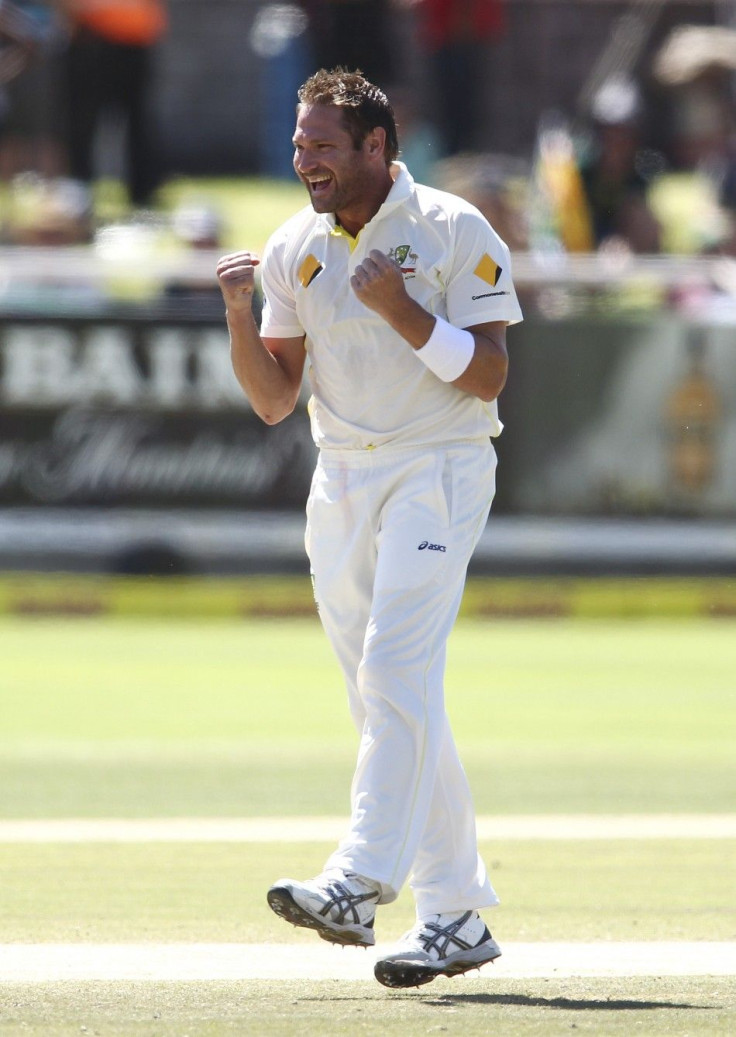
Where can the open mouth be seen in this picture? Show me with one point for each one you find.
(318, 185)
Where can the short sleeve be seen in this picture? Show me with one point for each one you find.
(478, 280)
(279, 317)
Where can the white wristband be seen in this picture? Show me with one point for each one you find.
(448, 350)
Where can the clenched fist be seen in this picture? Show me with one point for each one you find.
(379, 283)
(235, 273)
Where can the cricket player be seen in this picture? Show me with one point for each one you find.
(396, 297)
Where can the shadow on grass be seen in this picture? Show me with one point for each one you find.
(565, 1003)
(569, 1004)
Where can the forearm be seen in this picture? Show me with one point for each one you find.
(485, 374)
(264, 381)
(410, 320)
(269, 372)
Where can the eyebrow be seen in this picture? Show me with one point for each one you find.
(311, 140)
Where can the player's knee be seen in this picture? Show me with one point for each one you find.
(388, 690)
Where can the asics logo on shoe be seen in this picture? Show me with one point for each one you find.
(340, 908)
(443, 940)
(342, 903)
(445, 945)
(426, 546)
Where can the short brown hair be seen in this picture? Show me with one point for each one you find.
(365, 106)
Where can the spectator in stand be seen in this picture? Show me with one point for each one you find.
(456, 35)
(46, 215)
(49, 213)
(110, 70)
(614, 180)
(695, 66)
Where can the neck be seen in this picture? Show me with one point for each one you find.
(353, 220)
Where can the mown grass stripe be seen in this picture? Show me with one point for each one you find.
(330, 829)
(45, 963)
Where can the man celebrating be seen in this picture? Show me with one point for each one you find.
(398, 297)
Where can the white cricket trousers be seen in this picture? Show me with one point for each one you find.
(389, 536)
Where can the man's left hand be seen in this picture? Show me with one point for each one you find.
(379, 283)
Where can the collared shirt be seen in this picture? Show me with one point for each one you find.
(369, 388)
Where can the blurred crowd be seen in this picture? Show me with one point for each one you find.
(607, 178)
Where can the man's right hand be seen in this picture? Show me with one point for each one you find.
(235, 273)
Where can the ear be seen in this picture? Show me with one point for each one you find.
(375, 142)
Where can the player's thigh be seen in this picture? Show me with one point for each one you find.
(340, 544)
(431, 523)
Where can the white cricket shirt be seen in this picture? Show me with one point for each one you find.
(369, 389)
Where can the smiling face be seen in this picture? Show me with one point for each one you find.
(340, 178)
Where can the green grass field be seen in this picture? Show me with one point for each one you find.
(151, 718)
(106, 718)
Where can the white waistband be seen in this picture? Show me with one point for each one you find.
(390, 453)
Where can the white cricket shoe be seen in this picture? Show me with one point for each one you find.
(441, 945)
(340, 906)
